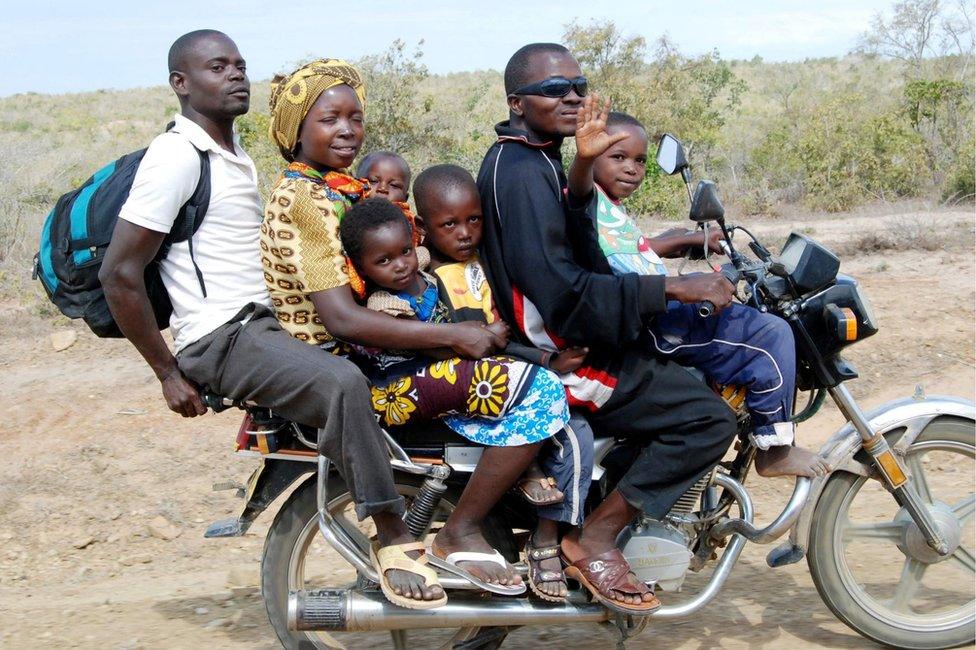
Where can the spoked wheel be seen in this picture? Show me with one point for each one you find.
(296, 556)
(871, 564)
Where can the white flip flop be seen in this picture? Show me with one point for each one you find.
(449, 564)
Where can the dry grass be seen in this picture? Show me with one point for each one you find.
(910, 233)
(50, 144)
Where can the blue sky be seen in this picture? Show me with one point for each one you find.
(57, 47)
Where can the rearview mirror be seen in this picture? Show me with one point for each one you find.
(671, 154)
(705, 206)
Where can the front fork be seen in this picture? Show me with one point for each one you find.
(887, 464)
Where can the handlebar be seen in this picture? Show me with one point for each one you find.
(707, 308)
(215, 402)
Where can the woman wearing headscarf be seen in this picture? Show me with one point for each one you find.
(317, 117)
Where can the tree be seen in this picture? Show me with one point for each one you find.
(392, 103)
(935, 40)
(924, 29)
(610, 59)
(907, 35)
(690, 97)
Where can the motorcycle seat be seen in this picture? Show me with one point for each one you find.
(408, 435)
(426, 433)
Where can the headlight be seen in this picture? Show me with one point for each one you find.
(847, 311)
(867, 311)
(838, 316)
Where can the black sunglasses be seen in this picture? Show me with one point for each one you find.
(555, 87)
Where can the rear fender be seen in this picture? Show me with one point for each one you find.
(901, 421)
(268, 481)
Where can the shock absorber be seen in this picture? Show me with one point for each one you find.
(421, 512)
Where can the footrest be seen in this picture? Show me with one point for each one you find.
(784, 554)
(230, 527)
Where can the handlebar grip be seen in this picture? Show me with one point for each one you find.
(213, 401)
(706, 308)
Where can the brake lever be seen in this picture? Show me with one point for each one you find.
(777, 268)
(760, 251)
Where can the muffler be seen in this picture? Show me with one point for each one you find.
(346, 610)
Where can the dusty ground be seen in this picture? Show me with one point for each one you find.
(105, 494)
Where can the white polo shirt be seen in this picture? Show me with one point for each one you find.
(227, 245)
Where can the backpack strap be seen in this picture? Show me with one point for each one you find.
(191, 216)
(196, 209)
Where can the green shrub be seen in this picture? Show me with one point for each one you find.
(253, 131)
(840, 154)
(17, 126)
(960, 182)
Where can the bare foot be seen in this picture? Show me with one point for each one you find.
(454, 539)
(537, 488)
(787, 460)
(576, 546)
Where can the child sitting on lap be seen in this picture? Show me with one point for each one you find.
(740, 345)
(449, 212)
(499, 402)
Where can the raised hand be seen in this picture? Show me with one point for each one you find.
(592, 138)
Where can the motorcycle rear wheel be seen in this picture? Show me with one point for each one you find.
(938, 613)
(294, 546)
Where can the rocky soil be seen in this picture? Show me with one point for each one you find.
(105, 494)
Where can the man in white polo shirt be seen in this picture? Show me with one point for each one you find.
(226, 335)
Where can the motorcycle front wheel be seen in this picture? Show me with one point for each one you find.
(865, 558)
(296, 556)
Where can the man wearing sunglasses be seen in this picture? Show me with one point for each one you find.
(553, 283)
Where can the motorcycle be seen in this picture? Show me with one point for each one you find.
(318, 582)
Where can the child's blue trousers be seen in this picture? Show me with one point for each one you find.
(568, 458)
(739, 346)
(743, 347)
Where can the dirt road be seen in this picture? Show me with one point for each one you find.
(105, 494)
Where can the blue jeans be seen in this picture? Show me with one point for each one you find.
(743, 347)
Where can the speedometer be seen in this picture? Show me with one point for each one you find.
(811, 266)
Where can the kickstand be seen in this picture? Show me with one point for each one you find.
(623, 627)
(399, 638)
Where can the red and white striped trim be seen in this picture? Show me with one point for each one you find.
(587, 387)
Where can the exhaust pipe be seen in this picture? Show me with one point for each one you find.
(346, 610)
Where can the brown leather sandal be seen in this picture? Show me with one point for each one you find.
(609, 572)
(533, 556)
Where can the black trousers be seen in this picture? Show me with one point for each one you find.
(682, 427)
(251, 358)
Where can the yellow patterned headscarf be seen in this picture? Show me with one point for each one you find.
(293, 95)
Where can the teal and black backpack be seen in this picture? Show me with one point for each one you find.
(77, 233)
